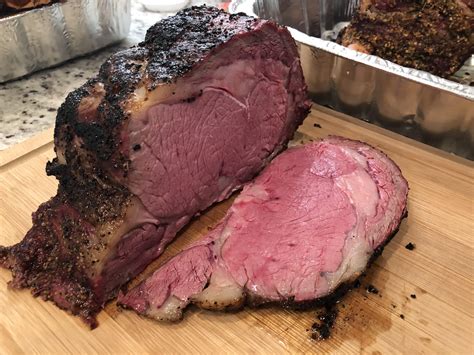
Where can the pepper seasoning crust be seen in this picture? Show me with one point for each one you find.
(436, 36)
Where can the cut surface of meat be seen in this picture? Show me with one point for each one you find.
(165, 130)
(436, 36)
(310, 223)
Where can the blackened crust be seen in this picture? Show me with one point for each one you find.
(48, 260)
(177, 43)
(90, 191)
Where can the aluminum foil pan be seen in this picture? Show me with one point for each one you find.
(43, 37)
(419, 105)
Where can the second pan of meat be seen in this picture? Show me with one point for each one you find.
(436, 36)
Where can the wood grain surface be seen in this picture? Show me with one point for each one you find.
(439, 271)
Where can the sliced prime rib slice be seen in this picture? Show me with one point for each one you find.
(310, 223)
(436, 36)
(165, 130)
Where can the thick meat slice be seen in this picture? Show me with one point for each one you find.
(165, 130)
(310, 223)
(436, 36)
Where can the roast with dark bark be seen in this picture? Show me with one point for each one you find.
(166, 129)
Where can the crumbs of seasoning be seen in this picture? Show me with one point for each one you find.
(51, 109)
(137, 147)
(413, 296)
(357, 284)
(317, 125)
(41, 116)
(10, 136)
(402, 316)
(372, 289)
(410, 246)
(322, 330)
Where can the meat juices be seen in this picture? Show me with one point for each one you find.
(165, 130)
(310, 223)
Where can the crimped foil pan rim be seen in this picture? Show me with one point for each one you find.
(371, 60)
(388, 66)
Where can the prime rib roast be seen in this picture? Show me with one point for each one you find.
(166, 129)
(301, 233)
(436, 36)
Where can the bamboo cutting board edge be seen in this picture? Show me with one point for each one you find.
(26, 147)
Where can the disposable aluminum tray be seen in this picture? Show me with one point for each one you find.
(49, 35)
(419, 105)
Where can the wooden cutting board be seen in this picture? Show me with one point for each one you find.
(438, 272)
